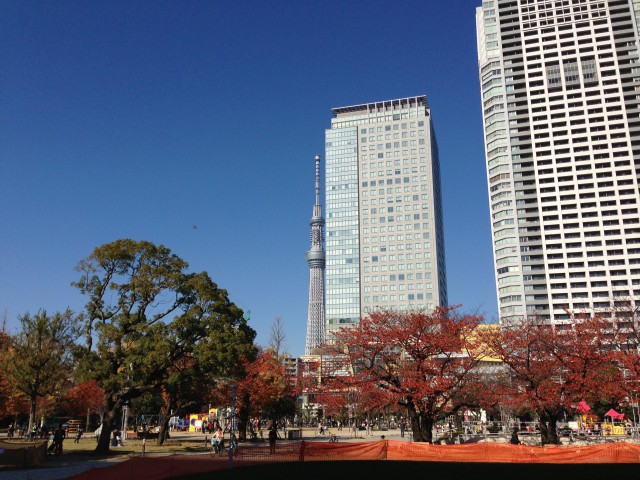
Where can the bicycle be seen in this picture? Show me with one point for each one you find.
(333, 438)
(217, 446)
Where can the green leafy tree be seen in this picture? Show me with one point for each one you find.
(150, 319)
(39, 359)
(208, 344)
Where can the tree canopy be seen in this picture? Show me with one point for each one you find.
(151, 321)
(423, 362)
(39, 359)
(267, 389)
(550, 369)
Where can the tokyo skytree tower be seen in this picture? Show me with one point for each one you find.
(316, 261)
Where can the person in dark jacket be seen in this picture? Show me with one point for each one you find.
(514, 437)
(58, 438)
(273, 435)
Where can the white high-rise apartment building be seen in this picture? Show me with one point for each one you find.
(384, 229)
(560, 85)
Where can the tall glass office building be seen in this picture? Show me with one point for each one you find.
(560, 84)
(384, 227)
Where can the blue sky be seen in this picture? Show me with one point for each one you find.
(141, 119)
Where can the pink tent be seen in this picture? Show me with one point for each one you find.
(614, 415)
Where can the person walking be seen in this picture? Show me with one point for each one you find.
(273, 435)
(403, 426)
(58, 438)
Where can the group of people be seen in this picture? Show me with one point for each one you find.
(56, 436)
(217, 439)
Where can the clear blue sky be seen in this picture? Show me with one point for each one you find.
(141, 119)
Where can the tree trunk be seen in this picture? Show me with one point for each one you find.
(548, 429)
(426, 428)
(163, 433)
(104, 440)
(421, 425)
(164, 425)
(243, 415)
(243, 418)
(108, 425)
(32, 411)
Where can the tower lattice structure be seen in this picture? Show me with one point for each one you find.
(316, 260)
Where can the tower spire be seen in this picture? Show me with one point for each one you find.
(316, 261)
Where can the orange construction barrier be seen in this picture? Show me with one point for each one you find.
(160, 468)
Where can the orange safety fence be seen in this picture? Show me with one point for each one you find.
(160, 468)
(506, 453)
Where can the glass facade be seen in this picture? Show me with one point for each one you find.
(385, 244)
(342, 271)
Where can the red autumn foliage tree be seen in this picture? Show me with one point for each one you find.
(423, 362)
(5, 388)
(551, 369)
(342, 397)
(267, 389)
(83, 398)
(626, 341)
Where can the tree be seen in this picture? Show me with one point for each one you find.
(278, 336)
(550, 369)
(39, 360)
(626, 341)
(5, 386)
(420, 361)
(83, 399)
(267, 388)
(150, 318)
(209, 343)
